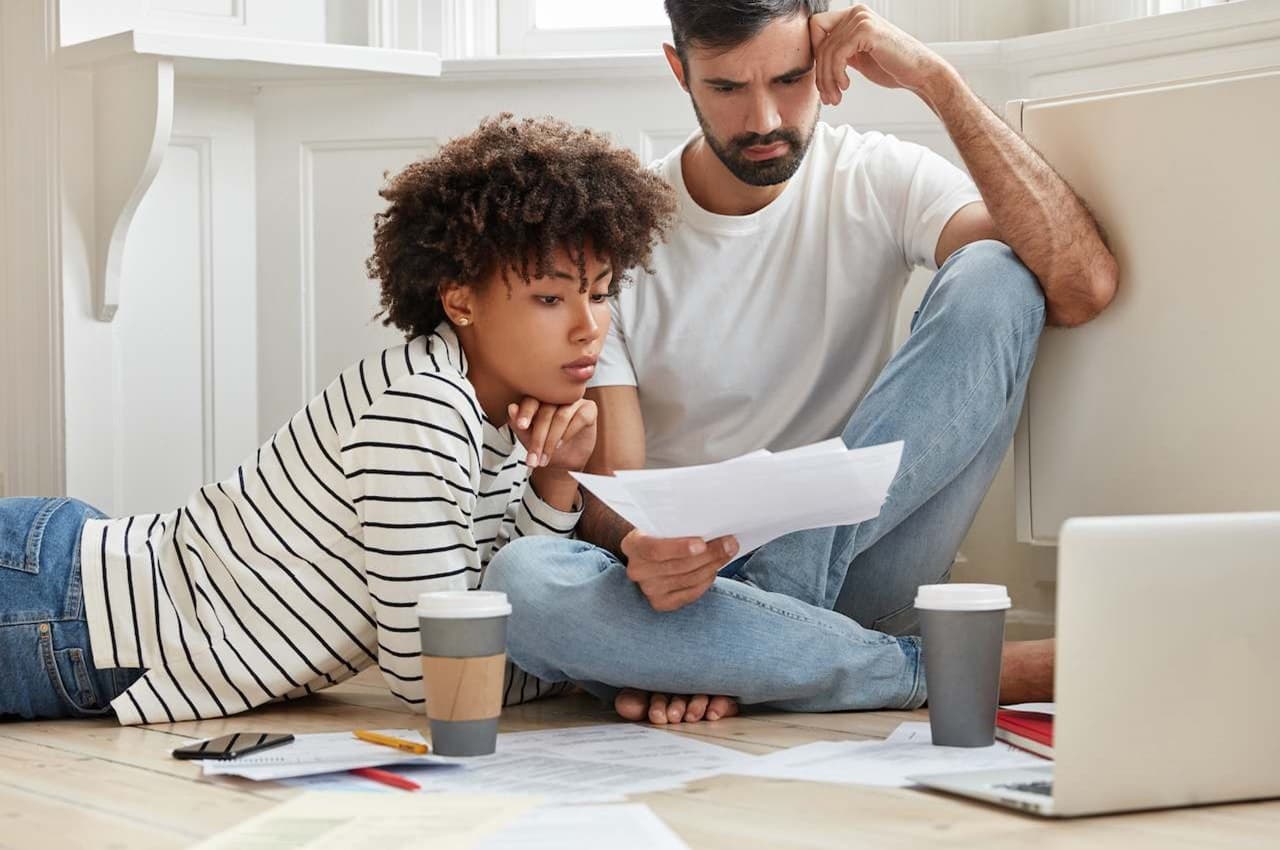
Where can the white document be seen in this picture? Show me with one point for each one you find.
(320, 753)
(388, 822)
(586, 764)
(632, 826)
(907, 752)
(757, 497)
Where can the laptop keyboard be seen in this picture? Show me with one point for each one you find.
(1044, 787)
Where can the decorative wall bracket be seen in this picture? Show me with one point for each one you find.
(132, 123)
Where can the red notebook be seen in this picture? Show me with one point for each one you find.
(1027, 731)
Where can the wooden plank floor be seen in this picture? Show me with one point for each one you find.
(89, 784)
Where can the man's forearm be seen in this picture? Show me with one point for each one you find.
(1035, 212)
(601, 526)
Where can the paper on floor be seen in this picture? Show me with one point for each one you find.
(319, 753)
(388, 822)
(578, 765)
(757, 497)
(907, 752)
(632, 826)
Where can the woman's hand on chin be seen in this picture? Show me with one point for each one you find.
(556, 436)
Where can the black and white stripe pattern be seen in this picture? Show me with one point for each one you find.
(304, 567)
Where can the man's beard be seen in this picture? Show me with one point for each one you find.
(769, 172)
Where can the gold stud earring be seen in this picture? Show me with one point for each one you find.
(464, 322)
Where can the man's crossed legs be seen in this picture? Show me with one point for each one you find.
(818, 620)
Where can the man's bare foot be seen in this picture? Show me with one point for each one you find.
(660, 709)
(1026, 674)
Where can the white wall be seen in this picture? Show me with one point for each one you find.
(244, 284)
(174, 376)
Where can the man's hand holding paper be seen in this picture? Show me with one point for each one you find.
(754, 498)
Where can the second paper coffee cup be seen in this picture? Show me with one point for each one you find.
(464, 660)
(962, 629)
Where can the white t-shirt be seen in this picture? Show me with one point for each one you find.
(765, 330)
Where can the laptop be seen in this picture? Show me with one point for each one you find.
(1166, 680)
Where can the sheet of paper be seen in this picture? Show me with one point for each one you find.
(626, 827)
(1032, 708)
(757, 497)
(921, 733)
(887, 762)
(388, 822)
(579, 765)
(319, 753)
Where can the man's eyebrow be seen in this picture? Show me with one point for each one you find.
(794, 72)
(798, 71)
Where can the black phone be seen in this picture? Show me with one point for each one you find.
(231, 746)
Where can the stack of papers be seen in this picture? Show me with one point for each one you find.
(907, 752)
(391, 822)
(445, 822)
(306, 755)
(586, 764)
(757, 497)
(632, 826)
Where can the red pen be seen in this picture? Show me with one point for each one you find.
(386, 777)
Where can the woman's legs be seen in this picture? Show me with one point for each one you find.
(46, 667)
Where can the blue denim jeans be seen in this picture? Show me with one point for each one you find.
(46, 667)
(818, 620)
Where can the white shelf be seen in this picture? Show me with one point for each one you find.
(250, 59)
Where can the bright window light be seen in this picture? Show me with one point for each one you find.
(597, 14)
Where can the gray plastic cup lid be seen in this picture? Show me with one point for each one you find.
(963, 597)
(463, 604)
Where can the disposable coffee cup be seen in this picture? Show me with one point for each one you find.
(464, 660)
(962, 628)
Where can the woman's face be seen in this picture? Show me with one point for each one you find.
(539, 338)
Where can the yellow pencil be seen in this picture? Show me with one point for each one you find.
(389, 741)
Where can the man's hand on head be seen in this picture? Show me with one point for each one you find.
(674, 572)
(858, 38)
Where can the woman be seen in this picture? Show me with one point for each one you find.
(496, 258)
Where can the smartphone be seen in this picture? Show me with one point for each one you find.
(231, 746)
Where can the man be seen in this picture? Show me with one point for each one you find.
(766, 323)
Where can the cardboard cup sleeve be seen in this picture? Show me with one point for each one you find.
(459, 689)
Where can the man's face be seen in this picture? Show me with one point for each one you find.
(757, 103)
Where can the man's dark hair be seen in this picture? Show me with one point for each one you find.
(724, 24)
(505, 198)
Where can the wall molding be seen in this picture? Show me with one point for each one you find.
(1210, 27)
(307, 151)
(468, 28)
(649, 64)
(384, 23)
(32, 419)
(655, 143)
(203, 148)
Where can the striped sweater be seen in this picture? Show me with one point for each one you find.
(304, 567)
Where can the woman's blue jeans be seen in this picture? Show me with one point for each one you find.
(46, 667)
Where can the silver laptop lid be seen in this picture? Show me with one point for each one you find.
(1168, 661)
